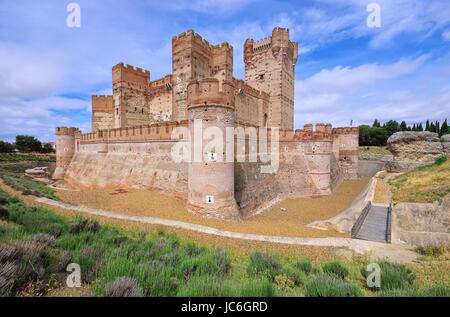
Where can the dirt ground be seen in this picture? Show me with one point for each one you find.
(291, 222)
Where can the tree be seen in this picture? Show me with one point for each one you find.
(420, 127)
(376, 124)
(432, 127)
(47, 148)
(438, 127)
(27, 143)
(427, 126)
(364, 135)
(6, 147)
(372, 136)
(445, 128)
(391, 127)
(403, 126)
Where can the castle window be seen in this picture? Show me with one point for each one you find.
(210, 199)
(212, 157)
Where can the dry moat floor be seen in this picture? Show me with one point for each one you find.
(288, 218)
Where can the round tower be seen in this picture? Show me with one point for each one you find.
(65, 149)
(318, 158)
(210, 105)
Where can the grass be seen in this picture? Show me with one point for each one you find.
(160, 264)
(336, 268)
(393, 277)
(432, 251)
(373, 153)
(13, 176)
(426, 184)
(264, 264)
(14, 157)
(329, 286)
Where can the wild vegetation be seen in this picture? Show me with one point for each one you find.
(26, 157)
(426, 184)
(36, 245)
(13, 175)
(26, 144)
(378, 134)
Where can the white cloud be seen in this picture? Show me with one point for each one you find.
(345, 79)
(446, 35)
(410, 89)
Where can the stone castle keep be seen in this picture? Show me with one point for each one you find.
(131, 140)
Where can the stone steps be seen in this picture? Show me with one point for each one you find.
(374, 227)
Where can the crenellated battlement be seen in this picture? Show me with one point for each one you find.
(122, 73)
(151, 132)
(346, 130)
(192, 36)
(67, 131)
(242, 87)
(319, 132)
(210, 92)
(102, 103)
(132, 69)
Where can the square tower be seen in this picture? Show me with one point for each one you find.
(194, 58)
(270, 67)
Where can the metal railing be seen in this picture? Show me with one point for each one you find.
(389, 224)
(359, 222)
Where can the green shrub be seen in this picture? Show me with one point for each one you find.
(25, 263)
(214, 263)
(191, 249)
(284, 282)
(204, 286)
(432, 251)
(4, 214)
(37, 219)
(328, 286)
(303, 265)
(263, 264)
(336, 268)
(393, 277)
(4, 198)
(27, 185)
(440, 160)
(437, 291)
(259, 287)
(124, 287)
(84, 224)
(296, 275)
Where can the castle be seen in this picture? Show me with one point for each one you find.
(133, 130)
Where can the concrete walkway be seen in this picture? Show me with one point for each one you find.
(377, 250)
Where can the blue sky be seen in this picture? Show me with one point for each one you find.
(346, 70)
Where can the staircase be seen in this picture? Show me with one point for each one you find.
(374, 224)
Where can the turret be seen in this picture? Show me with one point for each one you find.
(345, 149)
(66, 145)
(210, 105)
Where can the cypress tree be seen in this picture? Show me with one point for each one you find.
(427, 126)
(403, 126)
(445, 128)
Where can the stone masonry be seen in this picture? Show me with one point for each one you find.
(135, 131)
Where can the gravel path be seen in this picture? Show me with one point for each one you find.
(378, 250)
